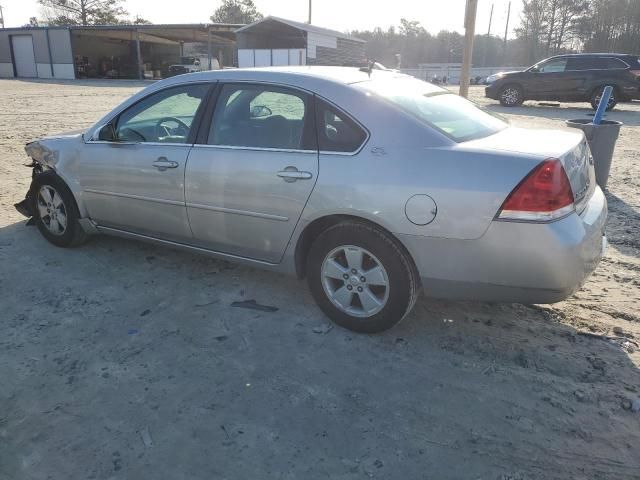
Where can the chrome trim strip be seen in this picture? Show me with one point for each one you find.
(124, 233)
(135, 197)
(135, 144)
(234, 211)
(257, 149)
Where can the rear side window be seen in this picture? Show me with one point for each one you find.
(613, 64)
(262, 116)
(336, 131)
(456, 117)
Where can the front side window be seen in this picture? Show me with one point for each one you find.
(165, 116)
(456, 117)
(261, 116)
(553, 66)
(336, 131)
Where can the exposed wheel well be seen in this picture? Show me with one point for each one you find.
(595, 89)
(319, 225)
(512, 84)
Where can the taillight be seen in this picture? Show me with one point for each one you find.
(543, 195)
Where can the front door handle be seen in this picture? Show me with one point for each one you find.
(162, 163)
(291, 174)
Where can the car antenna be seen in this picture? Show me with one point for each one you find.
(369, 68)
(371, 65)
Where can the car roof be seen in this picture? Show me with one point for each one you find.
(620, 55)
(295, 75)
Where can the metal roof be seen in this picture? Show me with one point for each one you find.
(189, 32)
(231, 27)
(300, 26)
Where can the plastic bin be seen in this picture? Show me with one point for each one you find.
(602, 140)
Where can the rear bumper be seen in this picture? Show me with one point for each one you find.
(631, 92)
(515, 261)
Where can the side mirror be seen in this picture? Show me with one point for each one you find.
(259, 111)
(107, 133)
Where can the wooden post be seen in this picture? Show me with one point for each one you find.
(469, 31)
(506, 31)
(209, 46)
(139, 55)
(309, 12)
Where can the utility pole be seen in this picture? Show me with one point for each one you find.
(2, 16)
(485, 50)
(309, 22)
(469, 31)
(506, 31)
(490, 20)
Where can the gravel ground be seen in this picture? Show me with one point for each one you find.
(123, 360)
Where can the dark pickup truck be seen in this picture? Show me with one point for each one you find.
(570, 78)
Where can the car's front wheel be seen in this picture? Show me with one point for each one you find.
(55, 211)
(597, 95)
(361, 278)
(511, 96)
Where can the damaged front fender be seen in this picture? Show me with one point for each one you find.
(42, 154)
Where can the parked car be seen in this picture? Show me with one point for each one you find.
(374, 185)
(570, 78)
(186, 65)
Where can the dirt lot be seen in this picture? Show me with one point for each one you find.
(122, 360)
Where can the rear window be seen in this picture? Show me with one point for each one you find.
(456, 117)
(609, 63)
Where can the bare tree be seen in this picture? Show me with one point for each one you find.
(83, 12)
(236, 11)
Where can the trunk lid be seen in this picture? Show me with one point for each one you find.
(570, 148)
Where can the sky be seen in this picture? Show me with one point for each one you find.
(342, 15)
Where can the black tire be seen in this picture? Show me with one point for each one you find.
(595, 98)
(511, 95)
(403, 280)
(72, 235)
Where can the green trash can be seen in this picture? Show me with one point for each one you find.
(602, 140)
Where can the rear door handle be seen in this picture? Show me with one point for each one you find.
(291, 174)
(162, 163)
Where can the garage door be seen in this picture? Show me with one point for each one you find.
(23, 56)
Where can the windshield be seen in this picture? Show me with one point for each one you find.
(456, 117)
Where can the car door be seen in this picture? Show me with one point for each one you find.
(548, 80)
(249, 178)
(132, 174)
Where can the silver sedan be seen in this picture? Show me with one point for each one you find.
(372, 184)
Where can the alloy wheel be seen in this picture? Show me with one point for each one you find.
(510, 95)
(52, 210)
(355, 281)
(612, 99)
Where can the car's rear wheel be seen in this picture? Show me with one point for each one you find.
(361, 278)
(55, 211)
(511, 96)
(597, 95)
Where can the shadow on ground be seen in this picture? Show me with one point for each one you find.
(124, 360)
(124, 83)
(626, 113)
